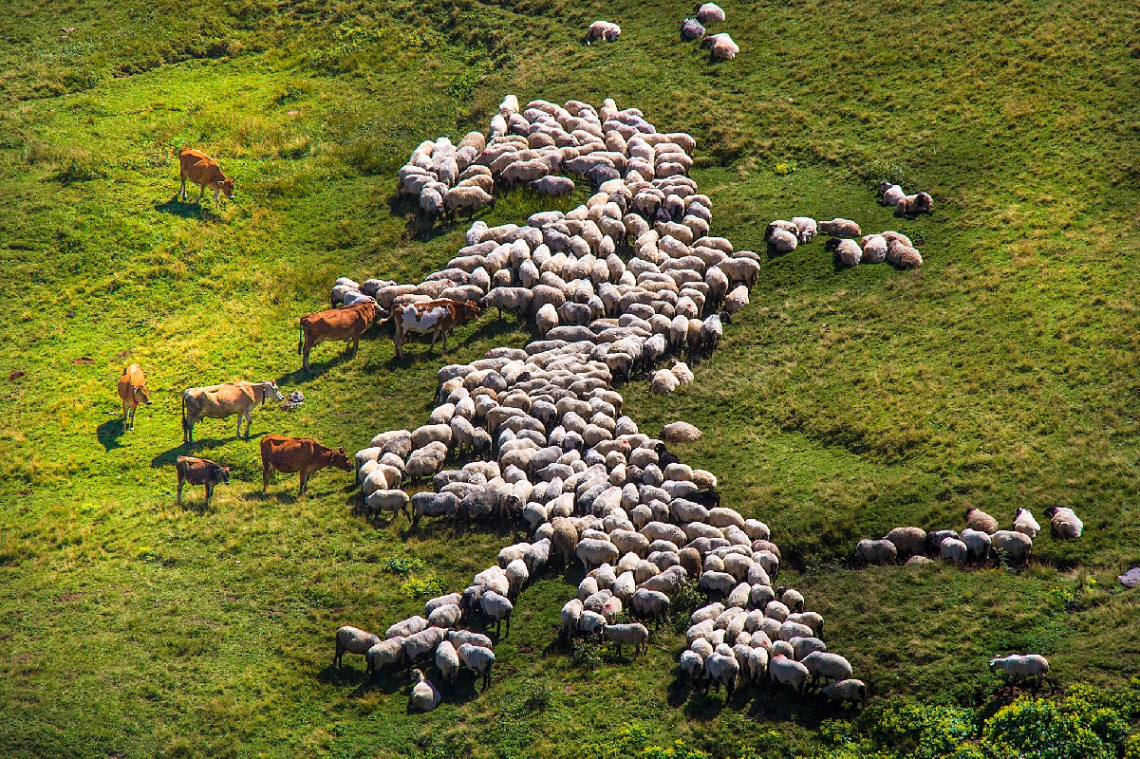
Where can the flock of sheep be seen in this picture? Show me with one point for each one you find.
(980, 541)
(720, 46)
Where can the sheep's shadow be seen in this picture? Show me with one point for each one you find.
(108, 434)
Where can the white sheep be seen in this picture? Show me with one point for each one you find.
(955, 551)
(1064, 523)
(478, 659)
(602, 30)
(977, 544)
(806, 228)
(721, 669)
(1016, 546)
(976, 519)
(875, 552)
(497, 607)
(424, 696)
(1024, 523)
(634, 634)
(843, 228)
(786, 671)
(826, 665)
(721, 47)
(707, 13)
(847, 690)
(649, 604)
(354, 641)
(1019, 667)
(447, 659)
(385, 653)
(890, 194)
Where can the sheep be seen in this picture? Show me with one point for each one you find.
(478, 659)
(433, 505)
(692, 665)
(806, 228)
(635, 634)
(592, 552)
(497, 607)
(787, 671)
(1064, 523)
(354, 641)
(677, 432)
(1024, 523)
(875, 552)
(954, 550)
(935, 537)
(874, 249)
(447, 660)
(781, 240)
(827, 665)
(395, 501)
(602, 30)
(1015, 545)
(707, 13)
(977, 545)
(649, 604)
(469, 199)
(847, 690)
(721, 47)
(908, 541)
(691, 29)
(517, 576)
(804, 646)
(552, 186)
(722, 670)
(915, 204)
(976, 519)
(847, 252)
(736, 300)
(811, 619)
(1019, 667)
(513, 299)
(385, 653)
(902, 256)
(842, 228)
(407, 628)
(424, 696)
(445, 616)
(890, 194)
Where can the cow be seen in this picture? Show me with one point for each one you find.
(200, 472)
(132, 392)
(220, 401)
(204, 171)
(346, 324)
(434, 316)
(298, 454)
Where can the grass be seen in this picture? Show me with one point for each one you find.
(842, 403)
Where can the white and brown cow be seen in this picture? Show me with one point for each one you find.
(434, 316)
(220, 401)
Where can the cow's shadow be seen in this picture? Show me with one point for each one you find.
(169, 457)
(109, 433)
(316, 369)
(187, 210)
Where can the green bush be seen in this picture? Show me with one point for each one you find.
(1036, 729)
(632, 740)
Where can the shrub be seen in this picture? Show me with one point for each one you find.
(1036, 729)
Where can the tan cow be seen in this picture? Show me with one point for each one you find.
(335, 324)
(132, 392)
(220, 401)
(298, 454)
(204, 171)
(434, 316)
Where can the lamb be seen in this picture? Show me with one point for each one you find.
(498, 608)
(602, 30)
(787, 671)
(915, 204)
(847, 690)
(976, 519)
(890, 194)
(354, 641)
(1019, 667)
(1015, 545)
(424, 696)
(634, 634)
(447, 660)
(1064, 523)
(721, 47)
(875, 552)
(1024, 523)
(830, 666)
(842, 228)
(478, 659)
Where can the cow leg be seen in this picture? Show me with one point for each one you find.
(180, 483)
(266, 470)
(304, 482)
(125, 412)
(209, 492)
(248, 424)
(434, 335)
(182, 190)
(305, 360)
(445, 340)
(200, 194)
(215, 196)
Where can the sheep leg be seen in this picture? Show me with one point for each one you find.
(338, 654)
(1052, 685)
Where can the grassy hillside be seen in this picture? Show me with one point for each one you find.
(841, 404)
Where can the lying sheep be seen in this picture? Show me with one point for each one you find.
(691, 29)
(720, 47)
(708, 13)
(354, 641)
(890, 194)
(634, 634)
(602, 30)
(1018, 667)
(915, 204)
(806, 228)
(976, 519)
(843, 228)
(902, 256)
(1063, 522)
(847, 252)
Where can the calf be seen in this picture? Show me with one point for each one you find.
(132, 392)
(304, 455)
(203, 171)
(336, 324)
(200, 472)
(434, 316)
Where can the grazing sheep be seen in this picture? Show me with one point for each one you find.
(447, 660)
(649, 604)
(593, 552)
(890, 194)
(1019, 667)
(678, 432)
(935, 537)
(787, 671)
(1015, 545)
(602, 30)
(478, 659)
(552, 186)
(721, 669)
(954, 551)
(497, 607)
(908, 541)
(847, 690)
(354, 641)
(1024, 523)
(384, 654)
(875, 552)
(1063, 522)
(977, 545)
(720, 47)
(424, 696)
(468, 199)
(634, 634)
(843, 228)
(976, 519)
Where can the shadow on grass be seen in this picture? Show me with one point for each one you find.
(195, 210)
(168, 457)
(109, 433)
(316, 369)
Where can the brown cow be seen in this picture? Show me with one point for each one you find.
(204, 171)
(132, 392)
(434, 316)
(220, 401)
(346, 324)
(298, 454)
(200, 472)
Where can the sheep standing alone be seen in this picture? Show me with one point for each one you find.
(1024, 523)
(847, 690)
(634, 634)
(1019, 667)
(1064, 523)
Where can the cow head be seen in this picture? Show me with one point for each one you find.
(271, 387)
(471, 310)
(222, 474)
(140, 394)
(340, 460)
(227, 187)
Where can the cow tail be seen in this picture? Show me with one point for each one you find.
(183, 411)
(300, 337)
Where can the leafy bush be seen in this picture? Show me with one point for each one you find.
(1036, 729)
(632, 740)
